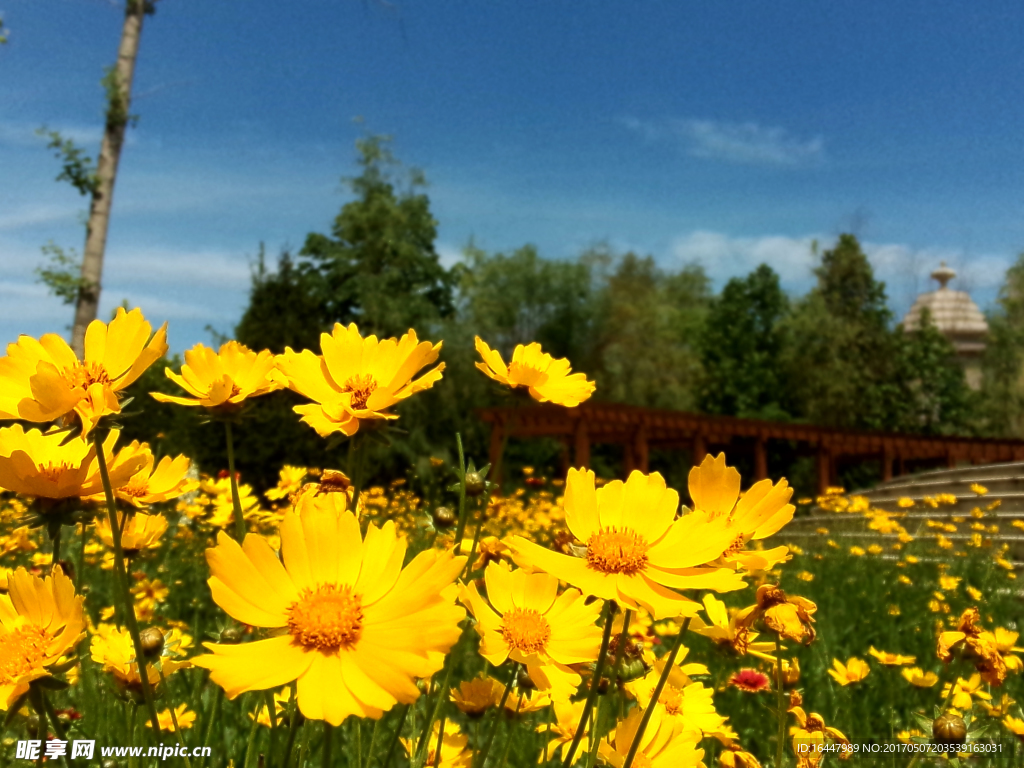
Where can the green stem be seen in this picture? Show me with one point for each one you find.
(613, 679)
(442, 694)
(358, 724)
(293, 727)
(373, 742)
(122, 582)
(260, 704)
(174, 720)
(460, 529)
(215, 710)
(780, 748)
(508, 741)
(440, 741)
(482, 757)
(394, 738)
(80, 565)
(595, 684)
(268, 697)
(55, 539)
(304, 747)
(236, 501)
(133, 712)
(328, 739)
(44, 709)
(656, 696)
(476, 540)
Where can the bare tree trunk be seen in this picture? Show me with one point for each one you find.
(119, 90)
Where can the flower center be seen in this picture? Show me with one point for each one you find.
(613, 551)
(736, 547)
(53, 472)
(85, 374)
(21, 651)
(525, 630)
(135, 488)
(361, 388)
(672, 698)
(327, 618)
(333, 481)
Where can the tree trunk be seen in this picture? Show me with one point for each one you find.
(119, 90)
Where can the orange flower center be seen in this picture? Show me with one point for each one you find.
(53, 472)
(333, 481)
(672, 698)
(525, 630)
(613, 551)
(641, 760)
(135, 488)
(328, 618)
(21, 652)
(85, 374)
(361, 388)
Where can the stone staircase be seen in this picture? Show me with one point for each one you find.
(1004, 484)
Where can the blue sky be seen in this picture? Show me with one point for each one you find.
(727, 133)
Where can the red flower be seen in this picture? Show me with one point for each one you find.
(750, 680)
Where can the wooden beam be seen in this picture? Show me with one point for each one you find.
(699, 448)
(494, 454)
(887, 464)
(824, 468)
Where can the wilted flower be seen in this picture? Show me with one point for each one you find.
(476, 696)
(786, 616)
(727, 631)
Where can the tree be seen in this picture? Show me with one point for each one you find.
(118, 85)
(380, 268)
(1002, 389)
(843, 365)
(741, 347)
(647, 325)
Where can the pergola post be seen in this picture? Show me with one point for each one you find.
(760, 459)
(581, 445)
(887, 464)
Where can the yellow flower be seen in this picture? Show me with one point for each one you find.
(1015, 725)
(37, 464)
(333, 491)
(113, 649)
(974, 594)
(184, 715)
(805, 576)
(547, 379)
(289, 481)
(979, 489)
(281, 700)
(790, 617)
(567, 717)
(1000, 708)
(964, 690)
(905, 502)
(528, 621)
(222, 380)
(761, 512)
(949, 583)
(153, 484)
(853, 671)
(726, 631)
(40, 621)
(681, 698)
(920, 678)
(733, 756)
(665, 744)
(979, 645)
(42, 380)
(809, 733)
(857, 551)
(453, 747)
(874, 549)
(142, 531)
(891, 659)
(636, 551)
(355, 627)
(357, 379)
(475, 696)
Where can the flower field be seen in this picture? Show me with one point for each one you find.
(576, 620)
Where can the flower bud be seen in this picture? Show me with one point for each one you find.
(949, 729)
(475, 485)
(444, 517)
(152, 641)
(231, 636)
(524, 681)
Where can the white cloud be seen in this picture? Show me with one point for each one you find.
(724, 256)
(742, 143)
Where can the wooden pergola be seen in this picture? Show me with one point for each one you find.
(638, 430)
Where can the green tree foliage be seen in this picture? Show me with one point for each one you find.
(379, 267)
(740, 348)
(646, 334)
(1003, 361)
(843, 363)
